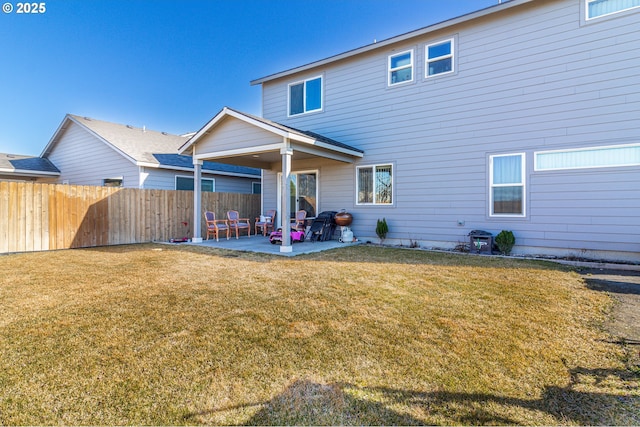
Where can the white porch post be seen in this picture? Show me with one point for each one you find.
(197, 201)
(285, 202)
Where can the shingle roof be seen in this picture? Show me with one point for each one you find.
(313, 135)
(16, 162)
(152, 147)
(182, 161)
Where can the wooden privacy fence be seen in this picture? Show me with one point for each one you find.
(36, 217)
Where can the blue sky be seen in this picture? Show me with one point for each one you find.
(171, 65)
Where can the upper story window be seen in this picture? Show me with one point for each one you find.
(375, 185)
(401, 68)
(439, 58)
(507, 185)
(305, 96)
(597, 8)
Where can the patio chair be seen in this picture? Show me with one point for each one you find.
(215, 226)
(236, 223)
(300, 221)
(269, 220)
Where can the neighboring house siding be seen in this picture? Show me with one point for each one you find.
(166, 180)
(529, 79)
(85, 160)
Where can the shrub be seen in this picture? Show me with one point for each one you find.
(382, 229)
(505, 241)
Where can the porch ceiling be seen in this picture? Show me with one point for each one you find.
(237, 138)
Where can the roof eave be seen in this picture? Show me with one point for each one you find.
(204, 171)
(400, 38)
(27, 172)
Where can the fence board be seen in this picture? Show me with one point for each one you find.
(36, 217)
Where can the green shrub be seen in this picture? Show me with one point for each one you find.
(382, 229)
(505, 241)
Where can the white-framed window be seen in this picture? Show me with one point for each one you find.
(588, 158)
(374, 184)
(439, 58)
(305, 96)
(113, 182)
(400, 68)
(598, 8)
(507, 185)
(186, 183)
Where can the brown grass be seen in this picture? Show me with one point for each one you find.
(155, 334)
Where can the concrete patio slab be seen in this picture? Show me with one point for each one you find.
(262, 244)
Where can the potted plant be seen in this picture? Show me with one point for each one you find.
(505, 241)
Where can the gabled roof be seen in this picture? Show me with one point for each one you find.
(141, 146)
(15, 164)
(278, 128)
(505, 4)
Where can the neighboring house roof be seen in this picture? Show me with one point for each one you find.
(182, 161)
(307, 136)
(141, 146)
(506, 4)
(19, 165)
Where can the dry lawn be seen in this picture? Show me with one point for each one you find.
(157, 334)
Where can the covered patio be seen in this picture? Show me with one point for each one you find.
(242, 139)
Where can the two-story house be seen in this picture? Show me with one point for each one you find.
(523, 116)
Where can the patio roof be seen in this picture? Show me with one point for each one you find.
(242, 139)
(239, 138)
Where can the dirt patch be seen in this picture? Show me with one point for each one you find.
(624, 323)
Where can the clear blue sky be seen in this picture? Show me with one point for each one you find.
(171, 65)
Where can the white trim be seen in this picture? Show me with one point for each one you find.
(411, 66)
(505, 5)
(586, 11)
(238, 151)
(309, 171)
(27, 172)
(523, 184)
(206, 171)
(54, 139)
(393, 184)
(452, 55)
(536, 168)
(304, 96)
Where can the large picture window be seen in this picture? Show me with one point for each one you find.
(439, 57)
(597, 8)
(401, 68)
(375, 185)
(305, 96)
(507, 185)
(186, 183)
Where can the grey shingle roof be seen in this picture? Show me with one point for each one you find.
(152, 147)
(16, 162)
(313, 135)
(182, 161)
